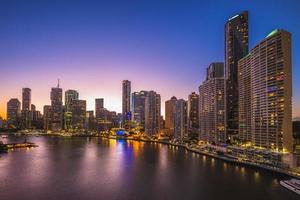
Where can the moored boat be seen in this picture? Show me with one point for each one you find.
(292, 184)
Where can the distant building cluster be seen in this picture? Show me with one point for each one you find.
(247, 99)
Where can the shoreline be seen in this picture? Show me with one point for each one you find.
(219, 157)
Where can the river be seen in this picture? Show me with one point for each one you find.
(99, 168)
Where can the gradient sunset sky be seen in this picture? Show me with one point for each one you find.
(91, 46)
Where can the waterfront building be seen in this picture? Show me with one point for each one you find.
(180, 119)
(212, 105)
(56, 109)
(193, 115)
(70, 95)
(270, 82)
(126, 91)
(236, 47)
(47, 117)
(169, 116)
(26, 106)
(13, 113)
(78, 114)
(152, 113)
(138, 109)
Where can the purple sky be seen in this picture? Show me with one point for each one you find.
(159, 45)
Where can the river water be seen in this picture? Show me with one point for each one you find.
(95, 168)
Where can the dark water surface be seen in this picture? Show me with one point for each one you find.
(95, 168)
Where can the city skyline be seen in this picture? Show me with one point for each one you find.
(106, 66)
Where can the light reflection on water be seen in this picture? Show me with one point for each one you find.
(94, 168)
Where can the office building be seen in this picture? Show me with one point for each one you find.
(70, 96)
(56, 109)
(126, 91)
(26, 105)
(169, 116)
(138, 109)
(212, 105)
(99, 106)
(152, 113)
(236, 47)
(47, 117)
(78, 114)
(13, 113)
(180, 119)
(193, 115)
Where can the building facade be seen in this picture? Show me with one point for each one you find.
(180, 119)
(152, 113)
(47, 117)
(78, 114)
(13, 113)
(193, 115)
(26, 108)
(126, 93)
(236, 47)
(56, 109)
(169, 116)
(70, 96)
(212, 105)
(270, 81)
(138, 109)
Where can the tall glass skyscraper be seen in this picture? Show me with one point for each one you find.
(138, 108)
(152, 113)
(13, 113)
(236, 47)
(70, 96)
(126, 92)
(26, 105)
(56, 109)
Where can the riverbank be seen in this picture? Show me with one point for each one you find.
(220, 157)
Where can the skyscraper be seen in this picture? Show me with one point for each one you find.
(138, 108)
(193, 115)
(56, 109)
(270, 83)
(47, 117)
(211, 105)
(78, 114)
(26, 98)
(126, 91)
(169, 116)
(90, 120)
(26, 105)
(99, 106)
(236, 47)
(70, 96)
(180, 119)
(13, 113)
(152, 113)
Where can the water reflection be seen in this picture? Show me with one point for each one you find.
(95, 168)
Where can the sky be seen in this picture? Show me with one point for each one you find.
(91, 46)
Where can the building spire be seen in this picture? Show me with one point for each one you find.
(58, 83)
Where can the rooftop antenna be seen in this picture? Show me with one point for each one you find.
(58, 83)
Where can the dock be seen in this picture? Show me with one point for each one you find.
(5, 147)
